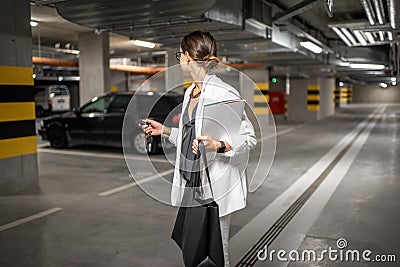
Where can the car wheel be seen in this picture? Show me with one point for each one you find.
(139, 144)
(57, 138)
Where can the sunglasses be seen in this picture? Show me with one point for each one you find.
(178, 55)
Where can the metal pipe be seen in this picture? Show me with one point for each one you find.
(369, 11)
(370, 37)
(341, 35)
(380, 12)
(381, 36)
(394, 20)
(349, 36)
(360, 38)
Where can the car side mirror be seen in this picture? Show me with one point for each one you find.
(76, 111)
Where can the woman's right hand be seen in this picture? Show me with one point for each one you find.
(155, 128)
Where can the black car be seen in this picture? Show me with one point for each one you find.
(100, 121)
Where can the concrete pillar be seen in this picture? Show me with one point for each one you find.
(326, 98)
(256, 94)
(311, 99)
(343, 94)
(94, 64)
(18, 158)
(173, 74)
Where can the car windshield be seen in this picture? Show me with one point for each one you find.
(119, 104)
(98, 105)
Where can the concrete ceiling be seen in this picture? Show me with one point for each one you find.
(165, 22)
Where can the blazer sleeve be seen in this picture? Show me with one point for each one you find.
(173, 137)
(250, 140)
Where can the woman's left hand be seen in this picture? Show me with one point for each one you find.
(209, 144)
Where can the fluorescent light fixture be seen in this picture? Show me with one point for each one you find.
(311, 46)
(341, 35)
(344, 64)
(390, 36)
(360, 38)
(144, 43)
(68, 51)
(367, 66)
(34, 23)
(383, 85)
(370, 37)
(349, 36)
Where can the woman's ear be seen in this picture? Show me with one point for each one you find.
(189, 58)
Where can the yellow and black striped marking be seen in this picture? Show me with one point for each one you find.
(313, 97)
(336, 94)
(261, 98)
(346, 95)
(17, 112)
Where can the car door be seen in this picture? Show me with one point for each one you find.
(92, 116)
(113, 119)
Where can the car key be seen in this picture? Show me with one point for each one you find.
(149, 138)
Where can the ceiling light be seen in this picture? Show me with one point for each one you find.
(370, 37)
(311, 46)
(34, 23)
(367, 66)
(344, 64)
(341, 35)
(144, 43)
(349, 35)
(360, 38)
(383, 85)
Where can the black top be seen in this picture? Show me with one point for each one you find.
(187, 163)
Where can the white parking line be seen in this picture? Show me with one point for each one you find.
(43, 145)
(284, 131)
(29, 219)
(133, 184)
(98, 155)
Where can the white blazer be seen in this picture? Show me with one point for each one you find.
(227, 174)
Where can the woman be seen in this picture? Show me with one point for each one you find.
(197, 55)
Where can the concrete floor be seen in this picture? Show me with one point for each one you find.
(129, 228)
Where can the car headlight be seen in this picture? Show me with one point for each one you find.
(41, 124)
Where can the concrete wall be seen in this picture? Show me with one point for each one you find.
(374, 93)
